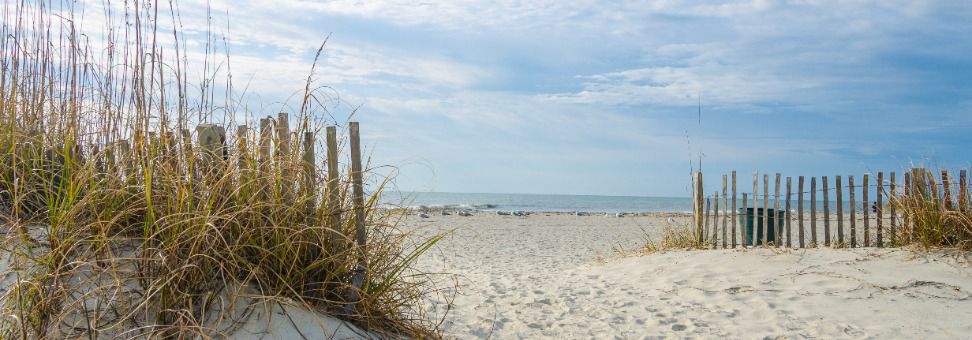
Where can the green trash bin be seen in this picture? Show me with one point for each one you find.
(747, 221)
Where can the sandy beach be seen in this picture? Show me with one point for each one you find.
(556, 275)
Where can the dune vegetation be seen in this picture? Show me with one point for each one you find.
(119, 225)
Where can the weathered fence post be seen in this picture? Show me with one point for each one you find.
(789, 216)
(867, 210)
(908, 194)
(700, 217)
(212, 143)
(266, 138)
(880, 210)
(734, 218)
(241, 152)
(715, 222)
(813, 212)
(853, 212)
(777, 224)
(333, 192)
(707, 222)
(892, 201)
(695, 203)
(826, 207)
(725, 209)
(840, 211)
(359, 210)
(929, 181)
(283, 154)
(310, 173)
(765, 210)
(800, 212)
(743, 219)
(755, 217)
(946, 191)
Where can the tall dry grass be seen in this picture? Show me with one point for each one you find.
(935, 219)
(119, 226)
(674, 236)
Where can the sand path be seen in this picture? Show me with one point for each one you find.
(541, 277)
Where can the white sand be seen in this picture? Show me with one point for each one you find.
(558, 276)
(540, 277)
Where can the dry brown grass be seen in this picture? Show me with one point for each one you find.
(935, 222)
(673, 237)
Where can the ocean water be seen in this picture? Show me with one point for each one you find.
(536, 202)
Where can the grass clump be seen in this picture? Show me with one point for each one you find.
(934, 220)
(118, 225)
(674, 236)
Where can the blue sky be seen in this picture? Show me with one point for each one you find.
(601, 97)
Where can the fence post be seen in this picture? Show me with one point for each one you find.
(813, 212)
(742, 220)
(734, 218)
(755, 208)
(359, 210)
(700, 198)
(333, 195)
(963, 200)
(707, 222)
(310, 173)
(826, 207)
(853, 212)
(241, 151)
(800, 212)
(765, 210)
(789, 216)
(777, 224)
(725, 208)
(867, 210)
(946, 191)
(212, 142)
(840, 210)
(880, 210)
(266, 137)
(929, 182)
(283, 154)
(892, 201)
(908, 194)
(715, 222)
(695, 203)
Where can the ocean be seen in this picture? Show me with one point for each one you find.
(536, 202)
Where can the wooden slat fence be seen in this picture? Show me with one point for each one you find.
(878, 207)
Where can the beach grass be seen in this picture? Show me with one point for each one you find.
(674, 236)
(119, 226)
(934, 221)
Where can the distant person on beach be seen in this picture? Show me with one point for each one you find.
(874, 207)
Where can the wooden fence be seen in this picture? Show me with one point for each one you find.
(714, 226)
(274, 141)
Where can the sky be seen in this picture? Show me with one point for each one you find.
(615, 97)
